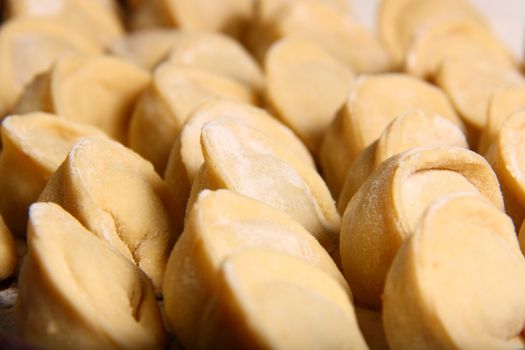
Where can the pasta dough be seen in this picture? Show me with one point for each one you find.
(76, 292)
(386, 208)
(246, 161)
(34, 146)
(174, 93)
(262, 295)
(117, 195)
(305, 87)
(410, 130)
(223, 223)
(94, 90)
(433, 300)
(373, 103)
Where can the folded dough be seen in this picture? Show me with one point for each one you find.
(176, 90)
(502, 104)
(147, 48)
(259, 36)
(94, 90)
(454, 37)
(506, 157)
(247, 161)
(34, 146)
(326, 25)
(305, 87)
(186, 156)
(214, 52)
(260, 304)
(96, 20)
(470, 83)
(400, 20)
(458, 282)
(218, 53)
(229, 16)
(223, 223)
(374, 101)
(410, 130)
(119, 197)
(19, 40)
(386, 208)
(76, 292)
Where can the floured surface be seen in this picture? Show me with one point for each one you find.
(264, 293)
(118, 196)
(225, 110)
(432, 296)
(250, 163)
(223, 223)
(411, 130)
(385, 209)
(418, 129)
(423, 187)
(73, 280)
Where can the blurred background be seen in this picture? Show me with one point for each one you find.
(506, 16)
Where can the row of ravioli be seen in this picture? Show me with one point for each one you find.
(217, 207)
(122, 218)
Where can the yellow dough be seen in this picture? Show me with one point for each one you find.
(410, 130)
(502, 104)
(265, 10)
(458, 282)
(247, 161)
(186, 156)
(229, 16)
(375, 101)
(20, 39)
(94, 90)
(8, 256)
(305, 87)
(262, 297)
(218, 53)
(223, 223)
(508, 160)
(259, 37)
(97, 20)
(147, 48)
(521, 237)
(454, 37)
(175, 91)
(400, 20)
(213, 52)
(118, 196)
(386, 208)
(371, 326)
(76, 292)
(34, 146)
(330, 28)
(471, 83)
